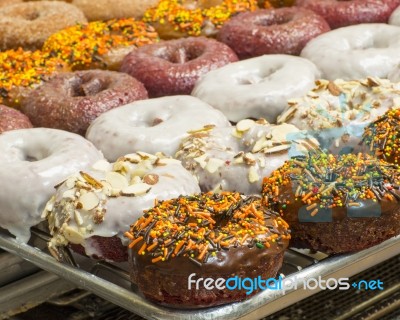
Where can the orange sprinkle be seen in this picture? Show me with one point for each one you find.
(142, 248)
(151, 247)
(134, 242)
(156, 259)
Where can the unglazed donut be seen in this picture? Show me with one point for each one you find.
(33, 161)
(257, 87)
(11, 119)
(172, 67)
(99, 44)
(355, 52)
(95, 207)
(339, 13)
(336, 204)
(273, 31)
(237, 158)
(71, 101)
(336, 112)
(29, 24)
(154, 125)
(210, 235)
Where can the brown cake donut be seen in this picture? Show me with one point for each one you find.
(172, 67)
(71, 101)
(29, 24)
(271, 31)
(208, 235)
(336, 204)
(11, 119)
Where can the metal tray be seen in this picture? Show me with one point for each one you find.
(111, 282)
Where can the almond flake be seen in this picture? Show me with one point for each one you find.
(136, 189)
(89, 201)
(245, 125)
(201, 160)
(116, 180)
(253, 175)
(277, 148)
(334, 89)
(151, 179)
(72, 235)
(102, 165)
(214, 164)
(78, 218)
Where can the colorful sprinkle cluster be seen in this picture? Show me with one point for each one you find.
(19, 68)
(383, 137)
(84, 44)
(192, 21)
(199, 226)
(328, 181)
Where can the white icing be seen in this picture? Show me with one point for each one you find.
(355, 52)
(257, 87)
(135, 126)
(395, 17)
(26, 184)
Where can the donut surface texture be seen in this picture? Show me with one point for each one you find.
(257, 87)
(273, 31)
(11, 119)
(154, 125)
(71, 101)
(33, 161)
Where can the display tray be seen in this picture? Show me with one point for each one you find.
(111, 282)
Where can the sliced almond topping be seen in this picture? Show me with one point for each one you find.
(132, 157)
(78, 218)
(214, 164)
(334, 89)
(102, 165)
(277, 148)
(201, 160)
(249, 159)
(73, 235)
(70, 193)
(70, 182)
(259, 144)
(136, 179)
(287, 114)
(92, 181)
(151, 178)
(244, 125)
(253, 175)
(136, 189)
(89, 201)
(116, 180)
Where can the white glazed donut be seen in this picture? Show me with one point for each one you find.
(356, 52)
(257, 87)
(395, 17)
(106, 199)
(32, 162)
(238, 158)
(336, 112)
(154, 125)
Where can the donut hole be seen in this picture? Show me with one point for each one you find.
(266, 21)
(31, 16)
(87, 86)
(257, 77)
(180, 54)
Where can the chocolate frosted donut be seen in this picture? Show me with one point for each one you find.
(71, 101)
(29, 24)
(339, 13)
(336, 204)
(172, 67)
(11, 119)
(204, 236)
(273, 31)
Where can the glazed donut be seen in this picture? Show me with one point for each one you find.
(395, 17)
(99, 44)
(29, 24)
(33, 161)
(183, 18)
(273, 31)
(382, 137)
(154, 125)
(339, 13)
(237, 158)
(257, 87)
(71, 101)
(172, 67)
(5, 3)
(336, 112)
(336, 204)
(21, 71)
(212, 235)
(102, 202)
(355, 52)
(11, 119)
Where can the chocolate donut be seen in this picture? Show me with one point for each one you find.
(11, 119)
(339, 13)
(208, 235)
(72, 100)
(29, 24)
(271, 31)
(336, 204)
(172, 67)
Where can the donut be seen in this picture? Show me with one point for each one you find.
(172, 67)
(339, 13)
(271, 31)
(182, 18)
(154, 125)
(71, 101)
(355, 52)
(257, 87)
(29, 24)
(237, 158)
(21, 71)
(382, 137)
(336, 204)
(32, 162)
(99, 44)
(92, 209)
(209, 236)
(336, 112)
(11, 119)
(5, 3)
(394, 18)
